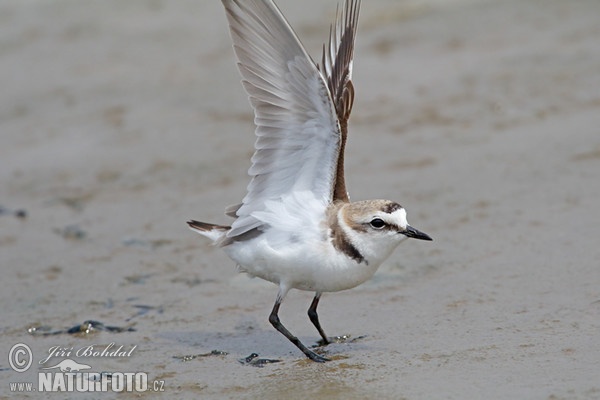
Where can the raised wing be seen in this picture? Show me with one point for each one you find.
(299, 137)
(337, 67)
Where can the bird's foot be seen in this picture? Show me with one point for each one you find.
(316, 357)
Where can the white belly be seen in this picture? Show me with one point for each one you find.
(313, 266)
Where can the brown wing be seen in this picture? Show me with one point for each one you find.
(337, 67)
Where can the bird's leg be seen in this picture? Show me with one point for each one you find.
(314, 318)
(274, 320)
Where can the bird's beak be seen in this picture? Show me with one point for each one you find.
(415, 234)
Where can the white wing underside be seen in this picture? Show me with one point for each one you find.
(298, 133)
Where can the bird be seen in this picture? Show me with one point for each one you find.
(296, 226)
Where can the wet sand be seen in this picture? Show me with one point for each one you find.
(122, 120)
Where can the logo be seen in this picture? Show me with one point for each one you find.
(64, 374)
(20, 357)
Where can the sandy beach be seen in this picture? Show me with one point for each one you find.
(120, 121)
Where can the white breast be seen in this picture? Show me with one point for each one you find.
(316, 265)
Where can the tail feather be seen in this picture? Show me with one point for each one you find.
(211, 231)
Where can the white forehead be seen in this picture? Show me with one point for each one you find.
(397, 217)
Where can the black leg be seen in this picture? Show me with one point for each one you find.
(314, 318)
(274, 320)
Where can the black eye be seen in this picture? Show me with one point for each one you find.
(377, 223)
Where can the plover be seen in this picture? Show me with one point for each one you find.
(296, 226)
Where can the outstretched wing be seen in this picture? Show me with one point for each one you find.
(299, 137)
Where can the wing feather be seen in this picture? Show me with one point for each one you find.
(337, 67)
(300, 134)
